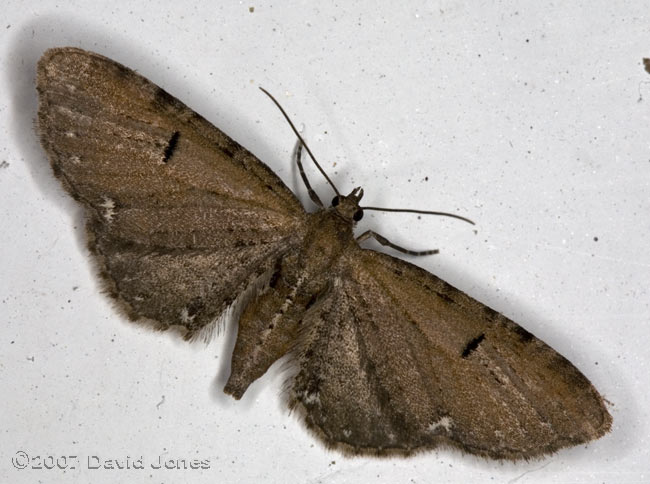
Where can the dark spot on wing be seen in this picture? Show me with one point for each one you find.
(274, 279)
(195, 306)
(311, 302)
(171, 146)
(163, 98)
(447, 287)
(472, 345)
(524, 335)
(196, 116)
(491, 313)
(57, 169)
(445, 298)
(120, 71)
(193, 309)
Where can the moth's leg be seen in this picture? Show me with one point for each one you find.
(312, 194)
(384, 241)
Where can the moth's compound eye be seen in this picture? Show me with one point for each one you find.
(335, 201)
(358, 215)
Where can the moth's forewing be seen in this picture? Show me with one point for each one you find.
(400, 361)
(182, 218)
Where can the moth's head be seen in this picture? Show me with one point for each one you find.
(348, 206)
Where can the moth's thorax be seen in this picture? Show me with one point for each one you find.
(328, 235)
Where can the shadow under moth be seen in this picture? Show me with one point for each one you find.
(388, 358)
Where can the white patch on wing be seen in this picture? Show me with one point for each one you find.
(185, 316)
(109, 208)
(309, 398)
(445, 422)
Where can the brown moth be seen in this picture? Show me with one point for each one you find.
(389, 358)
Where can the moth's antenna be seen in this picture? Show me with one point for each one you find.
(286, 116)
(425, 212)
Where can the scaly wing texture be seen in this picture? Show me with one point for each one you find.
(398, 360)
(181, 217)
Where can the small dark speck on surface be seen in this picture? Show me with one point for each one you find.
(251, 9)
(595, 239)
(4, 164)
(646, 64)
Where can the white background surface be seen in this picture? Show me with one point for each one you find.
(532, 118)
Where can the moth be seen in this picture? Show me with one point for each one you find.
(388, 358)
